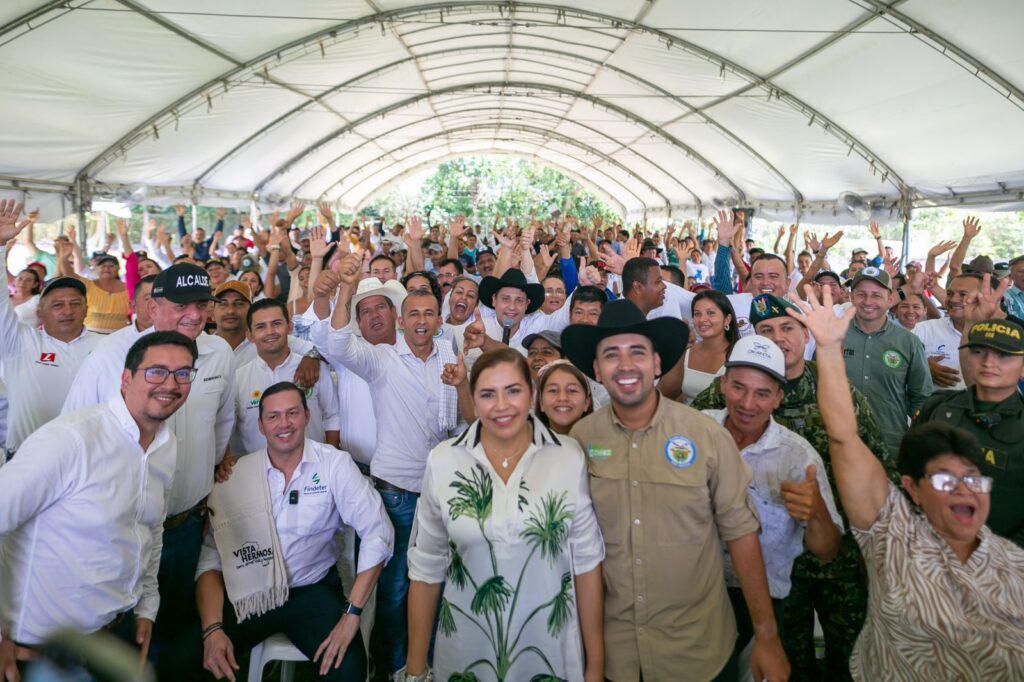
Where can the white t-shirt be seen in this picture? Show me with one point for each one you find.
(941, 338)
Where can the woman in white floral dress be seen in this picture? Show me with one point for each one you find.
(506, 523)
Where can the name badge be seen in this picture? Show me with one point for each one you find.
(598, 453)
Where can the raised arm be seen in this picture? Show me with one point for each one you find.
(860, 477)
(821, 255)
(456, 228)
(790, 247)
(413, 238)
(972, 227)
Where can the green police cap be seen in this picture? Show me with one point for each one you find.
(767, 306)
(1002, 335)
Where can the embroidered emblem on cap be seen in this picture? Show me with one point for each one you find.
(871, 271)
(680, 452)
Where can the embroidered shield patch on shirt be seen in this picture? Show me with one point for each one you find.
(680, 452)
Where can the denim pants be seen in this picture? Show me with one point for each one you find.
(389, 640)
(177, 579)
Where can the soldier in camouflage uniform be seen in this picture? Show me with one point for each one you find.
(836, 590)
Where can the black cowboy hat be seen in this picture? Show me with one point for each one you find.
(668, 334)
(515, 279)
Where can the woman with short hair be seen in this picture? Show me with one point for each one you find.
(946, 595)
(505, 526)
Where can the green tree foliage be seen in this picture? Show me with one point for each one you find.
(481, 186)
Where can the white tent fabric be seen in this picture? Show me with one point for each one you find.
(663, 107)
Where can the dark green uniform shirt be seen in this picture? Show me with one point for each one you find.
(891, 370)
(799, 412)
(1000, 431)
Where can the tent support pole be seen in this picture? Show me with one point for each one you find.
(83, 199)
(906, 210)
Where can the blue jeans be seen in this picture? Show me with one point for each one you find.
(389, 640)
(177, 579)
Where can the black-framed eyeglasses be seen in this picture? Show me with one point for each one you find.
(158, 375)
(945, 482)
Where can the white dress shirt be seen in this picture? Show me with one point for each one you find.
(534, 323)
(406, 392)
(245, 352)
(357, 419)
(81, 523)
(941, 338)
(202, 425)
(679, 304)
(257, 376)
(37, 370)
(331, 493)
(778, 456)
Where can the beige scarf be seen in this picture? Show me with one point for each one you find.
(246, 536)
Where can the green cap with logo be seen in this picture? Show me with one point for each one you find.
(1001, 335)
(880, 277)
(767, 306)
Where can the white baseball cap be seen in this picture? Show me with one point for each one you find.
(761, 353)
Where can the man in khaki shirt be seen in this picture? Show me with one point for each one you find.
(669, 487)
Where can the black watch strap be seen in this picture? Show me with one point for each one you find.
(352, 609)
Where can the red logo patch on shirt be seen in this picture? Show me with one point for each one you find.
(47, 357)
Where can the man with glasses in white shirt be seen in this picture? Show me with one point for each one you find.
(179, 302)
(83, 506)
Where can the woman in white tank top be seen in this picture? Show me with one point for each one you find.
(714, 322)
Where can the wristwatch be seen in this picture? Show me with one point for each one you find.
(352, 610)
(426, 676)
(314, 354)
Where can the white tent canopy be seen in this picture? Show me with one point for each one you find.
(664, 108)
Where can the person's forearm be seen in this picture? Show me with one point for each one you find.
(723, 279)
(333, 438)
(423, 599)
(415, 257)
(956, 261)
(812, 271)
(590, 609)
(270, 280)
(453, 246)
(340, 318)
(748, 563)
(821, 536)
(77, 259)
(210, 598)
(363, 585)
(778, 242)
(181, 226)
(466, 407)
(315, 268)
(526, 260)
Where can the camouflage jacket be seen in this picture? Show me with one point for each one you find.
(799, 412)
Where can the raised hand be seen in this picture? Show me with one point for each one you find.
(122, 228)
(891, 266)
(792, 229)
(728, 224)
(505, 237)
(873, 229)
(326, 283)
(454, 374)
(632, 249)
(179, 210)
(984, 305)
(613, 262)
(819, 318)
(547, 259)
(414, 228)
(277, 234)
(108, 240)
(350, 268)
(10, 210)
(246, 221)
(294, 212)
(782, 231)
(972, 227)
(457, 226)
(941, 248)
(318, 242)
(72, 234)
(327, 213)
(828, 242)
(221, 213)
(474, 334)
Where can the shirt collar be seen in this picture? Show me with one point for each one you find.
(307, 456)
(202, 343)
(127, 422)
(658, 413)
(85, 332)
(542, 435)
(402, 346)
(885, 327)
(769, 439)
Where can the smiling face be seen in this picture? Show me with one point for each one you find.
(156, 402)
(502, 398)
(187, 318)
(463, 300)
(485, 263)
(750, 398)
(229, 312)
(446, 274)
(768, 276)
(871, 301)
(62, 312)
(27, 282)
(283, 421)
(585, 312)
(148, 267)
(627, 365)
(959, 295)
(107, 271)
(217, 273)
(420, 320)
(376, 318)
(269, 331)
(554, 294)
(910, 311)
(957, 516)
(252, 280)
(510, 304)
(540, 354)
(563, 400)
(708, 320)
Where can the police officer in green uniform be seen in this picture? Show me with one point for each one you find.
(836, 590)
(993, 411)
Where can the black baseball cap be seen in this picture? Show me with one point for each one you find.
(484, 250)
(1002, 335)
(64, 283)
(106, 258)
(183, 283)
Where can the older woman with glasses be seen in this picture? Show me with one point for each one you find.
(946, 595)
(506, 540)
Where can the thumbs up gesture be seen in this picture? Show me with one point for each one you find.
(454, 374)
(474, 334)
(803, 500)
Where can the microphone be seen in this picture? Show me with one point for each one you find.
(506, 332)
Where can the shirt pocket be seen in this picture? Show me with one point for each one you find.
(679, 510)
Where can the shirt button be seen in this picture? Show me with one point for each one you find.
(636, 522)
(639, 597)
(639, 561)
(635, 446)
(636, 484)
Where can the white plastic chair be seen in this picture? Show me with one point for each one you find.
(274, 648)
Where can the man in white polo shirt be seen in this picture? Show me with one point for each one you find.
(83, 506)
(269, 331)
(38, 365)
(180, 302)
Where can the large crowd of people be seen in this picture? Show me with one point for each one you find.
(520, 451)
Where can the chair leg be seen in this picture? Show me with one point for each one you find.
(287, 671)
(256, 663)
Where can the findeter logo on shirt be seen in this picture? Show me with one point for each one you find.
(316, 488)
(316, 479)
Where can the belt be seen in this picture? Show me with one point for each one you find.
(173, 522)
(381, 484)
(118, 619)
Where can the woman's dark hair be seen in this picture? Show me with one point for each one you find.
(732, 332)
(435, 286)
(924, 442)
(281, 387)
(38, 286)
(138, 350)
(546, 373)
(499, 356)
(258, 279)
